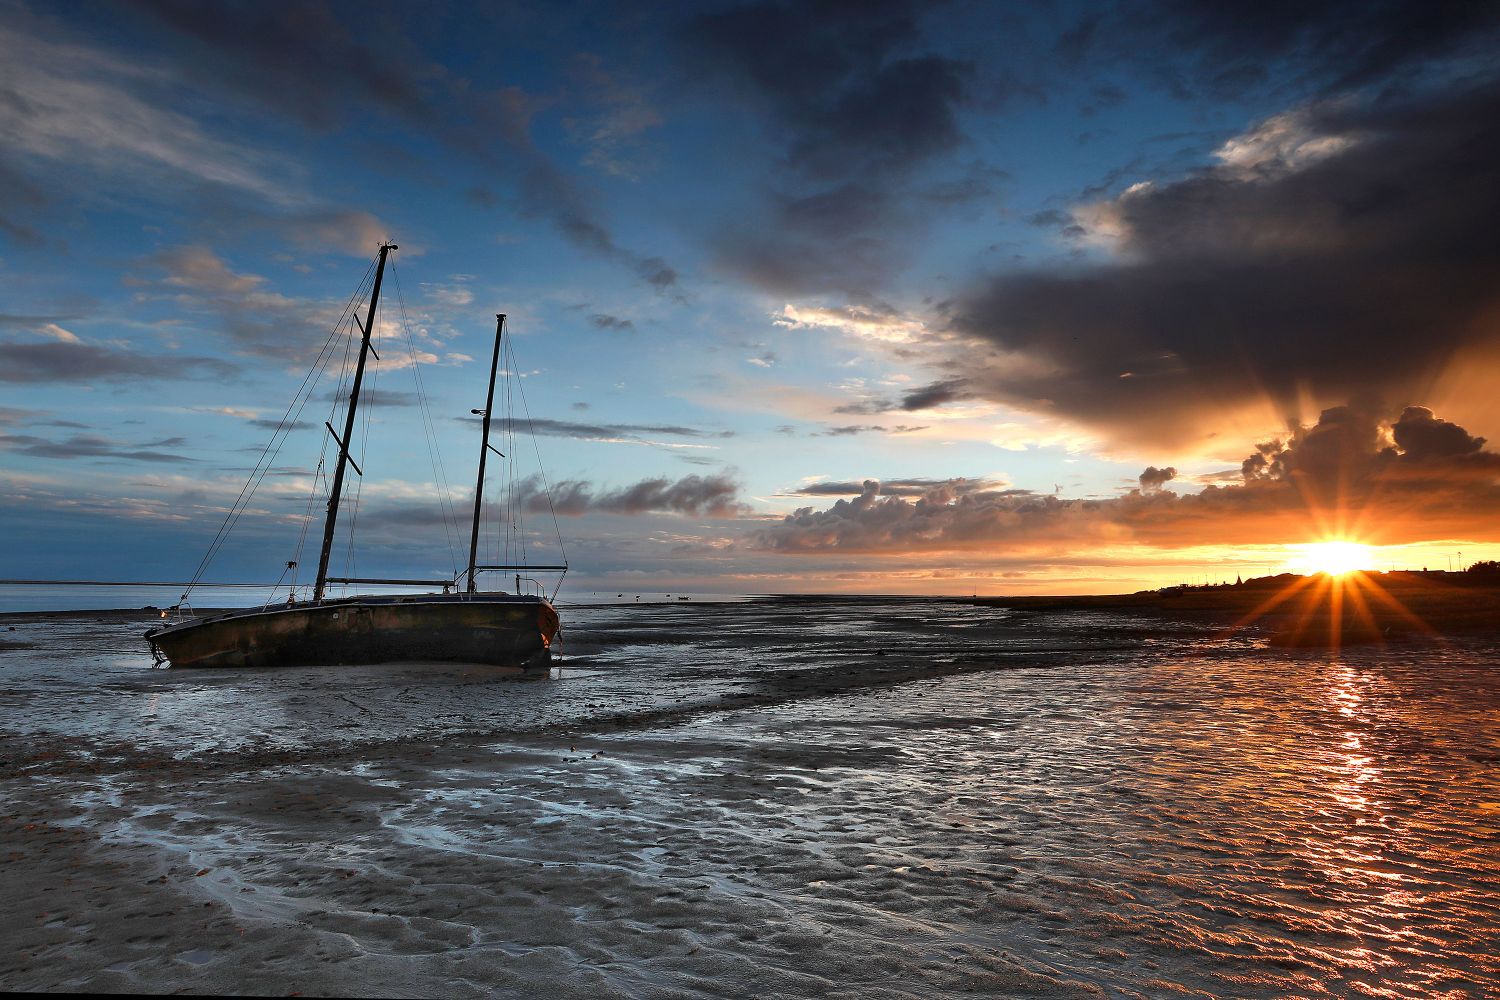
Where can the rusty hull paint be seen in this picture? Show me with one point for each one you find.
(492, 629)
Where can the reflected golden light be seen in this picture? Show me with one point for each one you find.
(1335, 558)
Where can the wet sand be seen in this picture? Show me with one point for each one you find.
(806, 798)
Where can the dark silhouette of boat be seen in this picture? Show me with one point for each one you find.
(460, 624)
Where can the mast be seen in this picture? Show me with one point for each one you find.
(338, 472)
(484, 447)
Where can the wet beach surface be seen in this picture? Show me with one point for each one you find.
(846, 798)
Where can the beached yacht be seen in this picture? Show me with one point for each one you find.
(460, 623)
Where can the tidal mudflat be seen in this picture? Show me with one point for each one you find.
(816, 798)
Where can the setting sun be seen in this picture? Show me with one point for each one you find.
(1333, 558)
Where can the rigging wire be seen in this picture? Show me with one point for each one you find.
(507, 393)
(541, 469)
(434, 453)
(351, 565)
(273, 447)
(337, 403)
(516, 496)
(518, 525)
(312, 496)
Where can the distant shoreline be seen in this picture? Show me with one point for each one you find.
(1289, 610)
(1314, 612)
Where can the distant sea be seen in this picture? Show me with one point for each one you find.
(129, 597)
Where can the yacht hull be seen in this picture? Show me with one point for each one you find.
(497, 629)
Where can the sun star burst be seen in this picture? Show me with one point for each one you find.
(1334, 557)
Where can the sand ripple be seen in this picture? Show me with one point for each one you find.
(858, 799)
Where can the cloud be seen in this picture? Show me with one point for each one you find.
(857, 107)
(1227, 52)
(199, 269)
(257, 320)
(374, 397)
(92, 446)
(58, 333)
(261, 322)
(604, 321)
(930, 396)
(312, 64)
(75, 106)
(1154, 479)
(614, 133)
(838, 85)
(1421, 435)
(609, 433)
(927, 397)
(1348, 475)
(959, 486)
(21, 200)
(350, 231)
(10, 415)
(695, 496)
(849, 430)
(1345, 249)
(878, 322)
(267, 424)
(68, 361)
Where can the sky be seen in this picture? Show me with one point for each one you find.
(868, 297)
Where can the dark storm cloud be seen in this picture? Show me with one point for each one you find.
(1348, 444)
(91, 446)
(695, 496)
(1421, 435)
(856, 104)
(839, 82)
(79, 362)
(1343, 249)
(1338, 475)
(299, 58)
